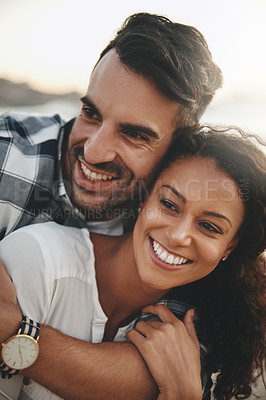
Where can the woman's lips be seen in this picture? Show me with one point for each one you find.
(165, 259)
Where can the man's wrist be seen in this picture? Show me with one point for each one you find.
(10, 323)
(20, 350)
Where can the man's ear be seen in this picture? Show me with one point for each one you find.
(231, 247)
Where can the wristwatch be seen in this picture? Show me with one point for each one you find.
(21, 350)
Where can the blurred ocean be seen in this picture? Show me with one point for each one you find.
(66, 109)
(250, 116)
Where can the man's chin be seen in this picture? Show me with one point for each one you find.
(96, 209)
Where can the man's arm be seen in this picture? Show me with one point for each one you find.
(74, 369)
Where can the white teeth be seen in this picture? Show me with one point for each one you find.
(163, 256)
(167, 257)
(156, 246)
(93, 176)
(170, 259)
(159, 251)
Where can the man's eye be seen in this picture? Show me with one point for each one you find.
(168, 204)
(135, 135)
(89, 112)
(210, 227)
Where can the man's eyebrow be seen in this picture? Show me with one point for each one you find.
(176, 192)
(89, 103)
(214, 214)
(142, 129)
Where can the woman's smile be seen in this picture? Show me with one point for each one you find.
(188, 224)
(166, 259)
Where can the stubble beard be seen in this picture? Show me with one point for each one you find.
(125, 196)
(126, 193)
(95, 206)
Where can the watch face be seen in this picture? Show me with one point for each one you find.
(20, 351)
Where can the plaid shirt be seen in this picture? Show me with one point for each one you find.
(31, 184)
(32, 189)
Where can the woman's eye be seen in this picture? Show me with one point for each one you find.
(168, 204)
(210, 227)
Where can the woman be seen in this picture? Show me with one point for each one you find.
(198, 216)
(230, 300)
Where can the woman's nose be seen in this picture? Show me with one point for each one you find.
(180, 233)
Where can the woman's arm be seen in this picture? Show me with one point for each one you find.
(172, 353)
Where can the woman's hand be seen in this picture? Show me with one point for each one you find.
(172, 353)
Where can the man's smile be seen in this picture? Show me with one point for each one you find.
(94, 176)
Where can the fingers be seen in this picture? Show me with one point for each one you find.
(188, 322)
(135, 337)
(171, 351)
(167, 316)
(143, 330)
(162, 311)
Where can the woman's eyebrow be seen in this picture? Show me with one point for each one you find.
(181, 197)
(176, 192)
(214, 214)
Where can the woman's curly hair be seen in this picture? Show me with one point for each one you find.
(231, 300)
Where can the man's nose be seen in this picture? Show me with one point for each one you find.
(181, 232)
(102, 145)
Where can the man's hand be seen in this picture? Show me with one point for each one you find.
(10, 316)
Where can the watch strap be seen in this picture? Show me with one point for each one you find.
(27, 327)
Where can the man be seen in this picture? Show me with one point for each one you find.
(152, 79)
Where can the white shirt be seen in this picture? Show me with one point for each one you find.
(53, 272)
(111, 227)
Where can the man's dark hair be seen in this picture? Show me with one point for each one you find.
(174, 56)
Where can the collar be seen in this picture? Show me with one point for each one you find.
(60, 187)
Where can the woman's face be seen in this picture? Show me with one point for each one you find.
(188, 224)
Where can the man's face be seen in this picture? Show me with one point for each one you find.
(119, 138)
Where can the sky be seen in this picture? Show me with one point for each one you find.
(54, 44)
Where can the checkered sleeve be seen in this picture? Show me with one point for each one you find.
(28, 155)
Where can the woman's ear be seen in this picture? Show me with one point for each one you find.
(231, 247)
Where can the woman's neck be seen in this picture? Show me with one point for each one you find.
(122, 294)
